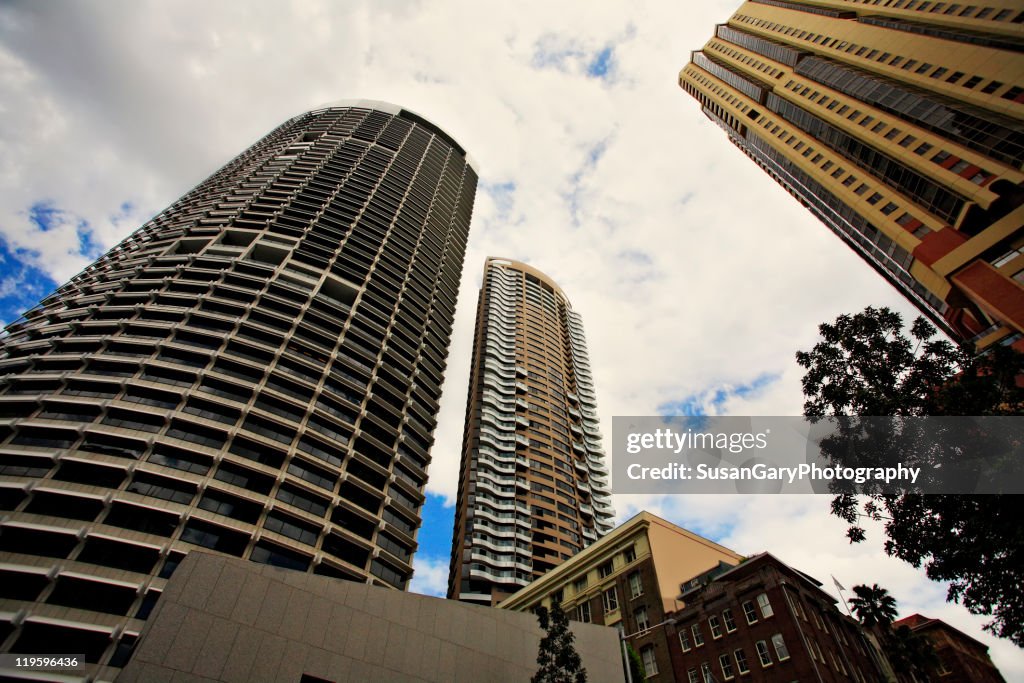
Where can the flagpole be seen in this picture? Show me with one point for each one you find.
(840, 588)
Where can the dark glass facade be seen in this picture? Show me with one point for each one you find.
(255, 371)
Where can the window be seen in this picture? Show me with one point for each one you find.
(780, 647)
(698, 637)
(726, 663)
(650, 663)
(693, 676)
(642, 622)
(580, 584)
(741, 661)
(762, 653)
(730, 623)
(610, 599)
(716, 627)
(636, 586)
(630, 554)
(684, 640)
(605, 569)
(583, 612)
(766, 607)
(750, 612)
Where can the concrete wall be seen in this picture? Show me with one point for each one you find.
(224, 619)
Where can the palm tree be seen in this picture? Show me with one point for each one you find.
(874, 606)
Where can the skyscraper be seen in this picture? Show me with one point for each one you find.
(533, 486)
(256, 370)
(900, 125)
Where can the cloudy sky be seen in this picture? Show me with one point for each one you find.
(698, 277)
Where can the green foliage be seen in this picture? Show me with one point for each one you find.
(865, 365)
(559, 662)
(636, 665)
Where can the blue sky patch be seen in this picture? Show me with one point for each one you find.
(435, 537)
(22, 285)
(44, 215)
(567, 55)
(711, 401)
(602, 63)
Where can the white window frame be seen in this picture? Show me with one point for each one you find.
(763, 654)
(684, 639)
(742, 665)
(643, 623)
(698, 637)
(765, 605)
(651, 667)
(636, 585)
(715, 626)
(779, 643)
(610, 603)
(693, 676)
(705, 670)
(580, 609)
(750, 611)
(730, 622)
(724, 661)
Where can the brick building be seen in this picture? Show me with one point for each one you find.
(629, 579)
(962, 659)
(766, 619)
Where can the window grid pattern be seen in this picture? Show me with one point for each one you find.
(301, 299)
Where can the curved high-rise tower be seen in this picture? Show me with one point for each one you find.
(256, 370)
(533, 486)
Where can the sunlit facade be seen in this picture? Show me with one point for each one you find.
(533, 485)
(900, 125)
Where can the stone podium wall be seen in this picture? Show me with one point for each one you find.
(224, 619)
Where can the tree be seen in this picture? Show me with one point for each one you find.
(873, 605)
(636, 665)
(559, 662)
(866, 365)
(908, 652)
(912, 653)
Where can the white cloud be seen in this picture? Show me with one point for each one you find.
(692, 269)
(430, 575)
